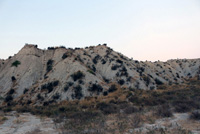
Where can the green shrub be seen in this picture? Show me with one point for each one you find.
(90, 71)
(16, 63)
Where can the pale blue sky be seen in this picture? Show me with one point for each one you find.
(142, 29)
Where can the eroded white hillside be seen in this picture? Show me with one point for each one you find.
(65, 74)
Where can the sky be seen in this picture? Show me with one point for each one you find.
(140, 29)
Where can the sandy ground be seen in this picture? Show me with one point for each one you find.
(179, 121)
(27, 124)
(30, 124)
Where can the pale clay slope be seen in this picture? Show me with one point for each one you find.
(31, 72)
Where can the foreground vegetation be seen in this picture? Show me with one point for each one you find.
(121, 110)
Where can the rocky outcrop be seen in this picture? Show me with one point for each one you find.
(59, 74)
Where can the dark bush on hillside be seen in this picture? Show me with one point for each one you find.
(94, 68)
(105, 93)
(39, 97)
(158, 82)
(147, 80)
(124, 69)
(49, 65)
(77, 48)
(64, 56)
(62, 109)
(115, 67)
(50, 48)
(56, 96)
(13, 78)
(121, 82)
(12, 91)
(62, 47)
(140, 69)
(66, 87)
(106, 80)
(129, 79)
(78, 75)
(136, 61)
(50, 86)
(96, 58)
(46, 103)
(29, 102)
(25, 90)
(152, 87)
(70, 83)
(195, 115)
(55, 83)
(80, 81)
(95, 88)
(16, 63)
(103, 61)
(107, 108)
(112, 88)
(8, 98)
(78, 92)
(119, 61)
(164, 111)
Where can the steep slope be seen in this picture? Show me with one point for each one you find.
(34, 75)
